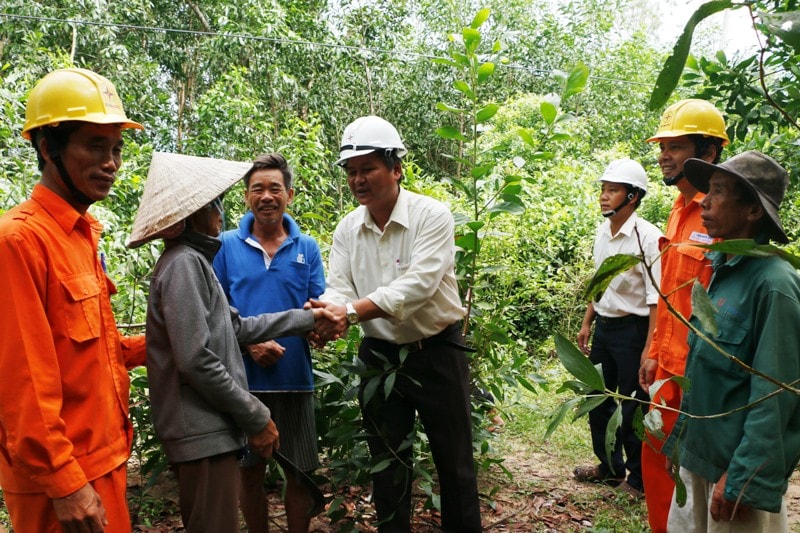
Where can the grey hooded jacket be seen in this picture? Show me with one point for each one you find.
(198, 388)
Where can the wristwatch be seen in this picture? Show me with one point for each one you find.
(352, 316)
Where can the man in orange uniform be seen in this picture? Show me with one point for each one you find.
(65, 436)
(689, 128)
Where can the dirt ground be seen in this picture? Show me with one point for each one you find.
(542, 497)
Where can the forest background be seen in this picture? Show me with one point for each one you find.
(510, 110)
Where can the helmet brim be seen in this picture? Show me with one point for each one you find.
(344, 155)
(99, 119)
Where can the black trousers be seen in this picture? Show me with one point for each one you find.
(433, 382)
(617, 345)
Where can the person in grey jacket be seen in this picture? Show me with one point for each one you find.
(200, 402)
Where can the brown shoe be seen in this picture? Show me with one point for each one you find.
(592, 474)
(632, 492)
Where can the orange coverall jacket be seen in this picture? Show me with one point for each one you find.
(679, 265)
(63, 382)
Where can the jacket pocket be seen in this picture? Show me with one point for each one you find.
(82, 306)
(730, 337)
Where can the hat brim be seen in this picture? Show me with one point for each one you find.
(89, 119)
(698, 172)
(178, 185)
(349, 154)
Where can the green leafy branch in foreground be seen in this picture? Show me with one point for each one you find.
(487, 187)
(781, 29)
(590, 387)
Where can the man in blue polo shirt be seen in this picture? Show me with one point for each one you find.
(268, 265)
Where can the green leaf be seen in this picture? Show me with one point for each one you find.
(480, 17)
(549, 112)
(370, 388)
(450, 132)
(461, 59)
(560, 137)
(576, 82)
(460, 218)
(526, 137)
(590, 403)
(608, 270)
(575, 386)
(527, 384)
(704, 309)
(463, 87)
(480, 171)
(441, 106)
(577, 364)
(388, 385)
(638, 424)
(467, 242)
(380, 467)
(484, 71)
(486, 113)
(681, 381)
(507, 207)
(670, 74)
(559, 415)
(443, 61)
(476, 225)
(654, 423)
(614, 424)
(750, 248)
(784, 25)
(472, 38)
(680, 487)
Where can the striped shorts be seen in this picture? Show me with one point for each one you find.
(293, 413)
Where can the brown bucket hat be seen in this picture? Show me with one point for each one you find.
(758, 172)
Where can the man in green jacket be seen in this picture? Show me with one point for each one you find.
(736, 466)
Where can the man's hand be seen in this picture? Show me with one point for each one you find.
(266, 441)
(583, 339)
(647, 373)
(724, 509)
(81, 512)
(330, 324)
(266, 353)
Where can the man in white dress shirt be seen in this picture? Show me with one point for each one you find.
(624, 320)
(391, 270)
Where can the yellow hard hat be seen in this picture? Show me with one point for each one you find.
(74, 94)
(691, 117)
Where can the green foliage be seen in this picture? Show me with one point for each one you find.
(524, 131)
(670, 74)
(609, 269)
(590, 389)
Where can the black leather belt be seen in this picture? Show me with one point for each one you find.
(445, 336)
(609, 320)
(427, 342)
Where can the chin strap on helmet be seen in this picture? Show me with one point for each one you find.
(53, 150)
(674, 179)
(628, 197)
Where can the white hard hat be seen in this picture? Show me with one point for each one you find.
(625, 171)
(368, 134)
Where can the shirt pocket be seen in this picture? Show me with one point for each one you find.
(299, 274)
(82, 306)
(731, 338)
(692, 260)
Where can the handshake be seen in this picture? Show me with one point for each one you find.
(330, 322)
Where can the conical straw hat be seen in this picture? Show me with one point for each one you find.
(178, 185)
